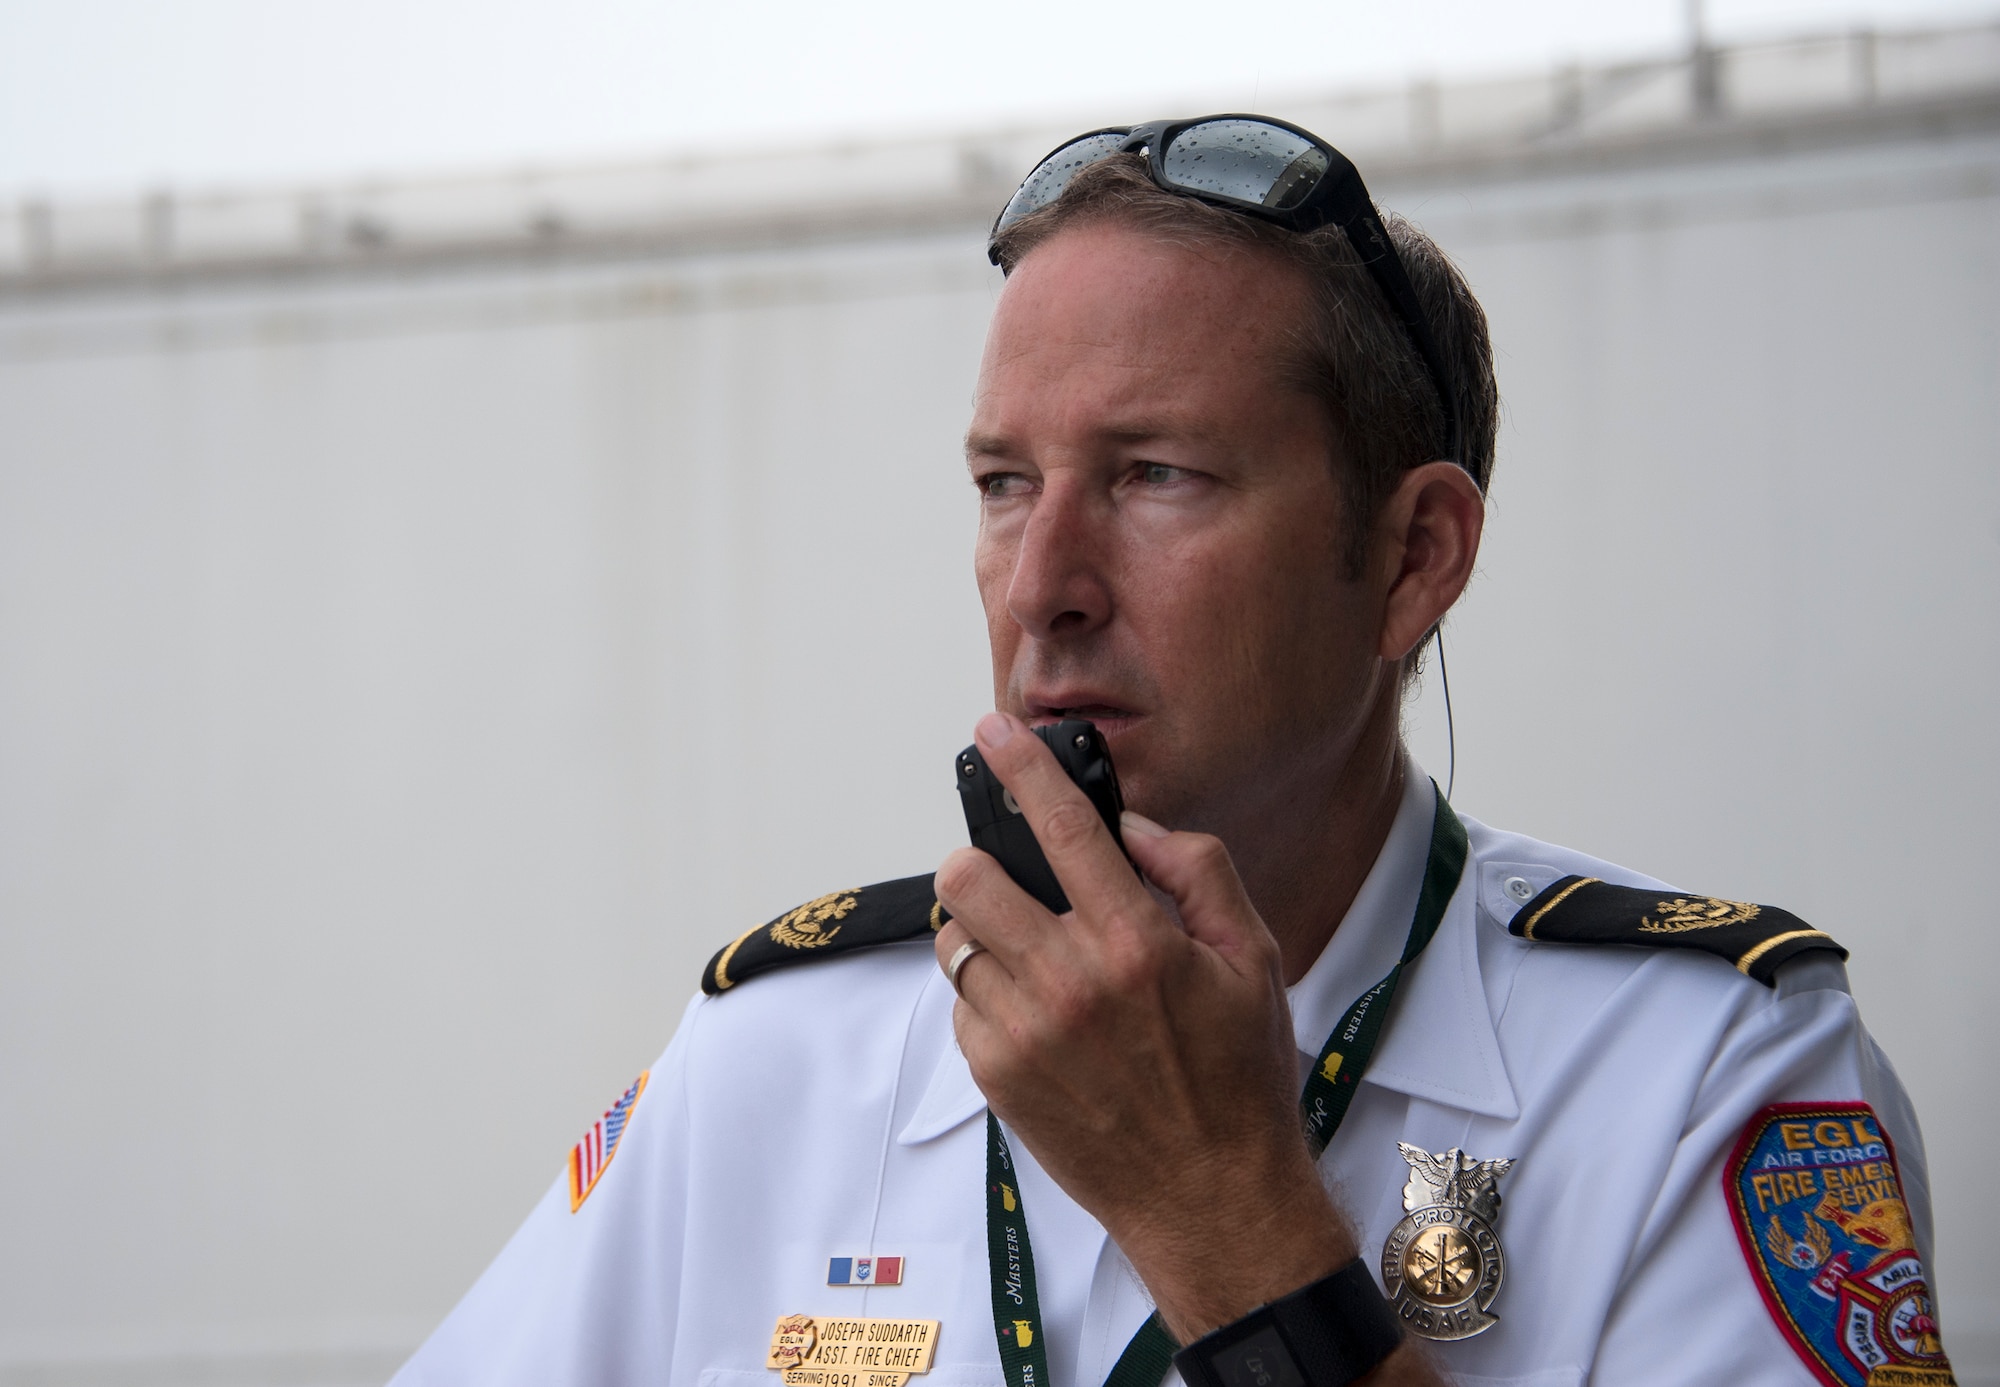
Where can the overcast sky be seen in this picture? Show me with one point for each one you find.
(115, 95)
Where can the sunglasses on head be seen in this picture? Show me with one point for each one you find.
(1261, 168)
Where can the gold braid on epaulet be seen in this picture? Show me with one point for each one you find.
(1757, 939)
(886, 913)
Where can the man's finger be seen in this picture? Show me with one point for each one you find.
(1080, 849)
(1194, 869)
(956, 949)
(987, 904)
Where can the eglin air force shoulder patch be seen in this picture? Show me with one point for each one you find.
(1818, 1206)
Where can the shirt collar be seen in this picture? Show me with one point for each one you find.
(951, 1096)
(1440, 1043)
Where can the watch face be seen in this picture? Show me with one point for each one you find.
(1258, 1360)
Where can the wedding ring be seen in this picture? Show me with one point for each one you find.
(958, 959)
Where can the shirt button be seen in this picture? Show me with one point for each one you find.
(1518, 888)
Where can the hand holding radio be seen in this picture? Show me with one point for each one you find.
(1148, 1063)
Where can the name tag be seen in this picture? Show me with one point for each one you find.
(832, 1351)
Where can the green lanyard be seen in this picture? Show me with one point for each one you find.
(1010, 1260)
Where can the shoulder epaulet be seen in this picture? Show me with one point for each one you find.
(886, 913)
(1584, 910)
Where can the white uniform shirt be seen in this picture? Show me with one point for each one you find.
(824, 1110)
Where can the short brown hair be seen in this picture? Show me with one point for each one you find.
(1352, 352)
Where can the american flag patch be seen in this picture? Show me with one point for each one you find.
(589, 1157)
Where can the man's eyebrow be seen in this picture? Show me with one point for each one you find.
(1136, 431)
(1149, 431)
(987, 445)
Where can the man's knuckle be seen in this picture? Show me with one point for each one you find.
(1208, 853)
(1127, 929)
(1069, 825)
(1133, 966)
(1073, 1009)
(987, 1061)
(1265, 947)
(960, 874)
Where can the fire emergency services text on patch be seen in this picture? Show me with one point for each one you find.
(1819, 1210)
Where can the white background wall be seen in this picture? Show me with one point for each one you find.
(406, 683)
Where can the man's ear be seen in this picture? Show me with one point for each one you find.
(1429, 532)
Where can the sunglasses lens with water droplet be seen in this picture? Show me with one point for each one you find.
(1244, 160)
(1053, 174)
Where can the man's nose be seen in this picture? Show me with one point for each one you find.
(1059, 587)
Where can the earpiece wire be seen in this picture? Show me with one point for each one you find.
(1450, 732)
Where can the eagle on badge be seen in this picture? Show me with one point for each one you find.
(1453, 1179)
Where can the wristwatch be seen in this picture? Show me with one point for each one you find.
(1330, 1333)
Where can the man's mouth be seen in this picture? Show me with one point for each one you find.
(1108, 716)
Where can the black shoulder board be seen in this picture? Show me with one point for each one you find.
(1584, 910)
(886, 913)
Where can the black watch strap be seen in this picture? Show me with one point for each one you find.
(1332, 1332)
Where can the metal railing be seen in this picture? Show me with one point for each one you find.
(787, 193)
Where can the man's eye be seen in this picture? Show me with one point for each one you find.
(1159, 473)
(997, 484)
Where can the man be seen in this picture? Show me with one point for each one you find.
(1231, 440)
